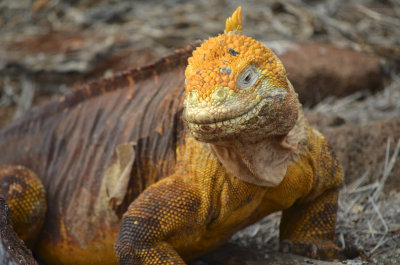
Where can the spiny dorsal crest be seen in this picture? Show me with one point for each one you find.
(234, 23)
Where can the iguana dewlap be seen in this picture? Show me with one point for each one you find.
(121, 162)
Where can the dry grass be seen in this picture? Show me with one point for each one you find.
(361, 108)
(367, 217)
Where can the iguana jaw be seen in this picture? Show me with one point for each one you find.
(250, 117)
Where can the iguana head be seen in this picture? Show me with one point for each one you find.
(237, 89)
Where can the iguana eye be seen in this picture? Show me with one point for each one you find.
(247, 78)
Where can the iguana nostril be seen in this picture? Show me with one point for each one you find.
(221, 94)
(192, 96)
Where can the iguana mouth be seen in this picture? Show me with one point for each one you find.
(223, 123)
(206, 117)
(219, 112)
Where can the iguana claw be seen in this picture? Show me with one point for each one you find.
(325, 250)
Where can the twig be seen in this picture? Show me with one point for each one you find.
(341, 240)
(376, 209)
(388, 168)
(371, 230)
(355, 184)
(372, 186)
(380, 243)
(377, 16)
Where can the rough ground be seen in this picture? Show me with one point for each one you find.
(343, 58)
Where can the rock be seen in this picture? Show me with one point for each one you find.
(65, 52)
(320, 120)
(321, 70)
(12, 249)
(56, 61)
(362, 148)
(61, 52)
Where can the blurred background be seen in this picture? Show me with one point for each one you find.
(343, 57)
(48, 47)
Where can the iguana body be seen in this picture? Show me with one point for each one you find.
(70, 144)
(185, 196)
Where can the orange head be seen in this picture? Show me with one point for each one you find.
(231, 80)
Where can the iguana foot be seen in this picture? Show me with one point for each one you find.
(324, 250)
(309, 229)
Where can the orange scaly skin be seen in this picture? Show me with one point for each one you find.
(237, 95)
(247, 151)
(202, 205)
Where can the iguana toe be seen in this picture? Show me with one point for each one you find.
(324, 250)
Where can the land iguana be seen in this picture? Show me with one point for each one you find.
(169, 175)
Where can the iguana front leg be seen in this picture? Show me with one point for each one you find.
(309, 229)
(166, 214)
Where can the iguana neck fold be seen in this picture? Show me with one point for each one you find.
(263, 163)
